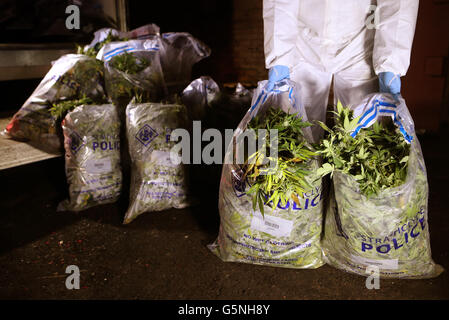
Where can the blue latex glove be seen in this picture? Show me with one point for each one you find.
(277, 73)
(390, 83)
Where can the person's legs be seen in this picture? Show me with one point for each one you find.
(314, 91)
(353, 83)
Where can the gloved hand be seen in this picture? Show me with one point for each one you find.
(277, 73)
(390, 83)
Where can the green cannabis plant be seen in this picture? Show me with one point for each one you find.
(128, 63)
(92, 52)
(61, 108)
(287, 178)
(376, 158)
(134, 74)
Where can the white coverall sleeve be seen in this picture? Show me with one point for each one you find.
(280, 19)
(394, 35)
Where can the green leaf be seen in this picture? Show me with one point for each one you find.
(377, 157)
(322, 125)
(325, 169)
(339, 107)
(292, 163)
(261, 206)
(346, 124)
(404, 160)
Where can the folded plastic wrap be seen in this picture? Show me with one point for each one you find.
(71, 77)
(389, 231)
(198, 95)
(144, 32)
(179, 52)
(101, 36)
(216, 107)
(92, 146)
(156, 182)
(286, 236)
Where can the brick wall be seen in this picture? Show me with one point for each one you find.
(424, 89)
(233, 29)
(246, 50)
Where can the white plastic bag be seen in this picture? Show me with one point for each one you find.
(389, 231)
(97, 43)
(101, 35)
(92, 146)
(71, 77)
(156, 183)
(288, 236)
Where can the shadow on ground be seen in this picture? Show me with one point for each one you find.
(164, 255)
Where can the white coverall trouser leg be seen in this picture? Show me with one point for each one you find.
(350, 86)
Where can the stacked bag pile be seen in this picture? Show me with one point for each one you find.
(112, 106)
(121, 81)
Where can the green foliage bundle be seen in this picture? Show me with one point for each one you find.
(287, 179)
(377, 157)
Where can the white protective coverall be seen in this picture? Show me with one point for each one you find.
(318, 39)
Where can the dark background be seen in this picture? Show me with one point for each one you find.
(208, 20)
(234, 31)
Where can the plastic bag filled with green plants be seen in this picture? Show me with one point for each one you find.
(271, 214)
(156, 182)
(132, 68)
(179, 51)
(378, 209)
(72, 76)
(92, 146)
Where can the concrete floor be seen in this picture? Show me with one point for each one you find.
(164, 255)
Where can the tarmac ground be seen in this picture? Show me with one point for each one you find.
(165, 256)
